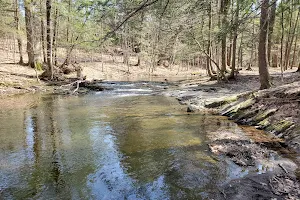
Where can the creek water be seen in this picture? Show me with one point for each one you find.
(124, 143)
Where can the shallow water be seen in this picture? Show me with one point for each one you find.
(120, 144)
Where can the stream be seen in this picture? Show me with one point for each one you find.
(124, 143)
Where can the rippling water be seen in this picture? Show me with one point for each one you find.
(120, 144)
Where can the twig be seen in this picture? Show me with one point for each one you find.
(71, 84)
(222, 191)
(281, 166)
(76, 87)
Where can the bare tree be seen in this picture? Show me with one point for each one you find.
(55, 35)
(235, 35)
(17, 25)
(29, 32)
(271, 28)
(262, 57)
(43, 32)
(49, 41)
(223, 11)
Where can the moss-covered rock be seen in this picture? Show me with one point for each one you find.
(240, 106)
(275, 110)
(280, 126)
(244, 117)
(264, 124)
(262, 115)
(221, 102)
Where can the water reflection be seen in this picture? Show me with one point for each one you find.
(103, 147)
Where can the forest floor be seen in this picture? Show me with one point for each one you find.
(18, 79)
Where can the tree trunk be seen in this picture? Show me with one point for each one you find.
(235, 35)
(287, 45)
(29, 33)
(294, 53)
(43, 41)
(240, 53)
(262, 57)
(281, 41)
(224, 9)
(43, 34)
(68, 19)
(229, 51)
(292, 40)
(49, 41)
(17, 25)
(208, 61)
(55, 31)
(252, 49)
(271, 28)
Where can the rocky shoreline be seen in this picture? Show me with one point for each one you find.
(275, 111)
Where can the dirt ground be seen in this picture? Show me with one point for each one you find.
(17, 79)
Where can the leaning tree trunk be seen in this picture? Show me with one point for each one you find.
(49, 71)
(262, 57)
(292, 39)
(29, 33)
(287, 43)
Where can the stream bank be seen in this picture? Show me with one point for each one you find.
(274, 111)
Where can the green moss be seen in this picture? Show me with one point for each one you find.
(247, 115)
(221, 102)
(282, 126)
(240, 106)
(246, 104)
(231, 99)
(263, 115)
(264, 123)
(38, 66)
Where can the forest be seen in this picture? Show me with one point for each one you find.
(150, 99)
(219, 36)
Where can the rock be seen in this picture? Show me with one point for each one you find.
(191, 108)
(275, 110)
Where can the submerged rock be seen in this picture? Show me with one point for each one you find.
(262, 186)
